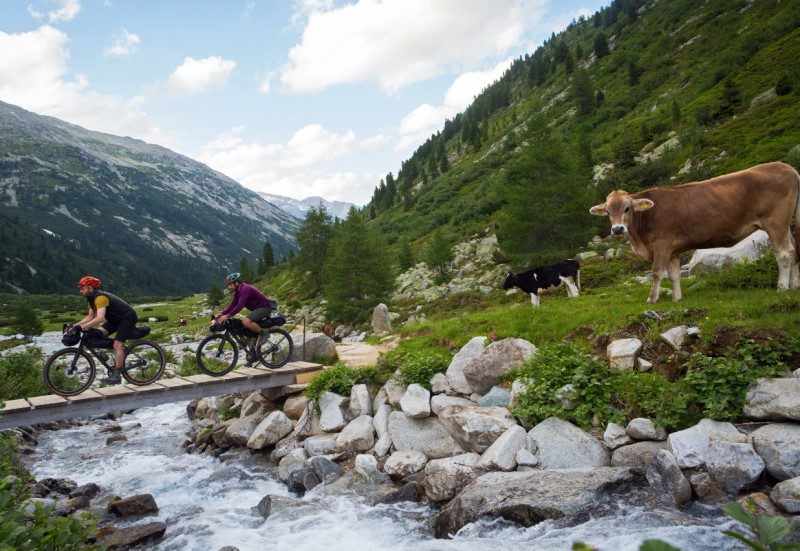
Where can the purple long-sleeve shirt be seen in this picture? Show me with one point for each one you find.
(246, 296)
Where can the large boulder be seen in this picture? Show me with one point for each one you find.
(529, 497)
(774, 399)
(666, 476)
(416, 402)
(317, 345)
(309, 422)
(426, 435)
(639, 455)
(360, 402)
(496, 397)
(255, 404)
(615, 436)
(455, 371)
(787, 495)
(752, 247)
(778, 445)
(562, 445)
(273, 428)
(622, 352)
(444, 478)
(332, 409)
(690, 445)
(395, 390)
(294, 406)
(323, 444)
(402, 464)
(441, 401)
(495, 361)
(502, 454)
(357, 436)
(642, 428)
(381, 420)
(134, 506)
(325, 469)
(286, 508)
(296, 459)
(240, 430)
(132, 536)
(380, 319)
(474, 427)
(735, 465)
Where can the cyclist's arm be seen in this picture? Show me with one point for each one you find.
(89, 315)
(99, 318)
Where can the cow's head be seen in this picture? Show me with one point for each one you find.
(510, 280)
(619, 207)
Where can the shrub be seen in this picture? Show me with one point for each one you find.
(651, 395)
(188, 366)
(419, 368)
(21, 375)
(340, 379)
(761, 274)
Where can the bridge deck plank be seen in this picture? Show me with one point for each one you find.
(177, 382)
(47, 401)
(255, 372)
(202, 379)
(141, 389)
(12, 406)
(119, 390)
(85, 396)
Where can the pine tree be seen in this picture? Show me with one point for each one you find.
(582, 92)
(601, 45)
(358, 274)
(438, 254)
(313, 238)
(406, 256)
(245, 271)
(215, 296)
(26, 320)
(268, 255)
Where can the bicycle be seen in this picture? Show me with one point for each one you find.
(71, 370)
(218, 353)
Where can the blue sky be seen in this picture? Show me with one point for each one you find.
(311, 97)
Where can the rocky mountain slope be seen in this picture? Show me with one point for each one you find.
(298, 209)
(140, 216)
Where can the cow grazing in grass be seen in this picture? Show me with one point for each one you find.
(566, 271)
(663, 222)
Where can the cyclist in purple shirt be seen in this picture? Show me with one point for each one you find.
(246, 296)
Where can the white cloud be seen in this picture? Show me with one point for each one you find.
(34, 74)
(426, 119)
(304, 8)
(199, 75)
(399, 42)
(374, 142)
(294, 168)
(125, 44)
(66, 11)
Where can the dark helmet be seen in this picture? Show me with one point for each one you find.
(233, 277)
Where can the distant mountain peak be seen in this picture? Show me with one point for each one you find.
(299, 208)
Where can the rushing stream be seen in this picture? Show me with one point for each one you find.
(207, 504)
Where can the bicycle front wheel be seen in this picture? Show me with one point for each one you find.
(68, 372)
(144, 363)
(217, 354)
(275, 350)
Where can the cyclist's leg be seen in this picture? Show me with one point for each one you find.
(124, 330)
(252, 319)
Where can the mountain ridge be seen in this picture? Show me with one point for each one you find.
(300, 207)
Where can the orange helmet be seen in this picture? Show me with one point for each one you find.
(89, 281)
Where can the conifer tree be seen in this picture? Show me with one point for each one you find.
(406, 256)
(268, 255)
(313, 238)
(215, 296)
(26, 320)
(245, 271)
(438, 253)
(601, 45)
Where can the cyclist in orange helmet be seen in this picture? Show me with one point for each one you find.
(115, 314)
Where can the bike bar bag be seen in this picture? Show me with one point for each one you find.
(71, 338)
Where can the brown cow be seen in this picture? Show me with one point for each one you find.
(663, 222)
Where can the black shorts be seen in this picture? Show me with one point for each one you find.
(123, 327)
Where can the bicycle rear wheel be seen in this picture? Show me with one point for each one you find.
(275, 350)
(68, 372)
(217, 354)
(144, 363)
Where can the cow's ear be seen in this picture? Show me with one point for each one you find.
(642, 204)
(599, 210)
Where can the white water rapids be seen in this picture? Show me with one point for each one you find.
(207, 504)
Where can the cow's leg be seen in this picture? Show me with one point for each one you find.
(578, 280)
(572, 291)
(534, 300)
(784, 253)
(660, 261)
(674, 271)
(794, 273)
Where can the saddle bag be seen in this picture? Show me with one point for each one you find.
(274, 320)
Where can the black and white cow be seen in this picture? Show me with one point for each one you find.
(567, 271)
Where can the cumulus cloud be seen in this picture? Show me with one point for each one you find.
(66, 11)
(374, 142)
(294, 168)
(194, 76)
(124, 45)
(426, 119)
(399, 42)
(34, 74)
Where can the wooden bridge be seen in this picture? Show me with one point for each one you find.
(125, 397)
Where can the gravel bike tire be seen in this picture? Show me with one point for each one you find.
(211, 349)
(143, 351)
(277, 349)
(56, 382)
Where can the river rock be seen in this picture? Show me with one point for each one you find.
(69, 506)
(562, 445)
(641, 428)
(360, 402)
(502, 454)
(381, 420)
(296, 459)
(496, 397)
(439, 383)
(445, 477)
(638, 455)
(622, 352)
(402, 464)
(382, 446)
(394, 392)
(475, 428)
(455, 371)
(426, 435)
(320, 445)
(529, 497)
(317, 345)
(416, 402)
(256, 404)
(287, 508)
(615, 436)
(133, 536)
(495, 361)
(134, 506)
(357, 436)
(759, 504)
(325, 469)
(774, 399)
(526, 458)
(690, 445)
(441, 401)
(787, 495)
(734, 465)
(666, 476)
(366, 467)
(332, 412)
(778, 445)
(240, 430)
(302, 480)
(294, 406)
(89, 490)
(273, 428)
(706, 489)
(284, 447)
